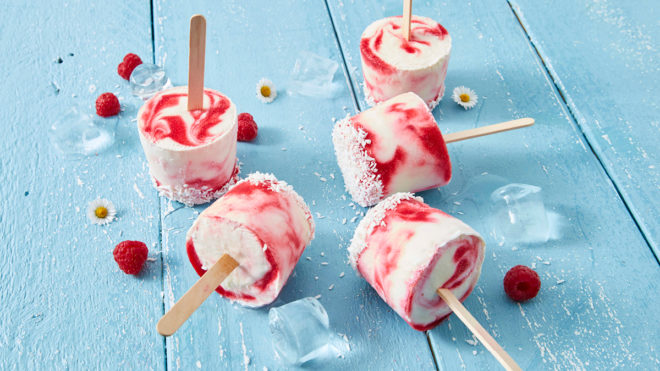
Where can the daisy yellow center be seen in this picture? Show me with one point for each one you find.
(464, 98)
(101, 212)
(265, 91)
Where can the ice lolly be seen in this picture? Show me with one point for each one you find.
(407, 250)
(191, 154)
(393, 65)
(395, 146)
(264, 225)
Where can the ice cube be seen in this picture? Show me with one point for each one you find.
(300, 331)
(519, 215)
(312, 76)
(77, 134)
(148, 79)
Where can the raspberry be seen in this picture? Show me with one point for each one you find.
(521, 283)
(127, 66)
(247, 128)
(130, 256)
(107, 105)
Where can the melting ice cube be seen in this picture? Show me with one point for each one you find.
(301, 334)
(148, 79)
(519, 215)
(312, 76)
(79, 134)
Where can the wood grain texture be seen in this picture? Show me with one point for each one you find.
(247, 41)
(488, 130)
(66, 305)
(64, 302)
(196, 57)
(479, 331)
(196, 295)
(603, 56)
(592, 311)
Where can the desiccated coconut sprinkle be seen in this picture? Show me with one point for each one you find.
(357, 167)
(375, 217)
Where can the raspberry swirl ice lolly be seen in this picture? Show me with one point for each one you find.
(263, 224)
(393, 65)
(191, 154)
(395, 146)
(407, 250)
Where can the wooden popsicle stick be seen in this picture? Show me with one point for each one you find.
(490, 129)
(471, 323)
(196, 295)
(196, 62)
(407, 15)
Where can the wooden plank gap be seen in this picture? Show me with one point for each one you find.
(343, 58)
(428, 340)
(153, 37)
(557, 87)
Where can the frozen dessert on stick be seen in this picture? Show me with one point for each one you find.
(189, 134)
(407, 250)
(423, 263)
(264, 225)
(397, 146)
(394, 63)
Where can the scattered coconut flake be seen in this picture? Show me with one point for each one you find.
(358, 168)
(375, 217)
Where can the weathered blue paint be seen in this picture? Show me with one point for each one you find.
(65, 304)
(603, 57)
(587, 315)
(246, 42)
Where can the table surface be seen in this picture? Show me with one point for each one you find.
(587, 71)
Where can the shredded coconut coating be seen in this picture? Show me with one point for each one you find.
(358, 168)
(374, 218)
(436, 102)
(190, 196)
(281, 186)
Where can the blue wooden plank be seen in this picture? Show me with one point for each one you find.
(245, 42)
(603, 57)
(65, 304)
(593, 309)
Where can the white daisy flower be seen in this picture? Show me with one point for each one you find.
(101, 211)
(266, 91)
(465, 97)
